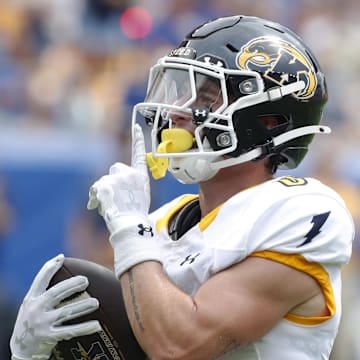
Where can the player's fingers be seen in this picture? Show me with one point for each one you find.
(96, 190)
(66, 288)
(70, 331)
(101, 195)
(45, 274)
(93, 202)
(76, 309)
(138, 158)
(118, 168)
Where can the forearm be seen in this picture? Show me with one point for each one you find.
(162, 316)
(159, 312)
(167, 322)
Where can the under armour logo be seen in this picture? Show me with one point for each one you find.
(145, 229)
(199, 112)
(199, 115)
(190, 259)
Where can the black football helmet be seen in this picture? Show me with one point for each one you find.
(227, 75)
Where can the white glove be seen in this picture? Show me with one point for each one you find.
(38, 327)
(123, 199)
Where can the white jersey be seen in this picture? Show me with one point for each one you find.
(298, 222)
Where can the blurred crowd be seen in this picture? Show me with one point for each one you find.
(70, 73)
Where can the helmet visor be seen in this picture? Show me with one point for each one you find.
(184, 89)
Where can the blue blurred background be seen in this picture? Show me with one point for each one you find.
(70, 72)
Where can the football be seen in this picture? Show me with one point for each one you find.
(116, 340)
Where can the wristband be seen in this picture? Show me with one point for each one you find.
(134, 243)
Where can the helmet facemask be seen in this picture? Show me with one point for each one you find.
(200, 93)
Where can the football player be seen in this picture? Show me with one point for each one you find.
(249, 268)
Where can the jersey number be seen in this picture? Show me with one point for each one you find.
(317, 221)
(292, 181)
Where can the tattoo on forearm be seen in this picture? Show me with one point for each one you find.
(133, 300)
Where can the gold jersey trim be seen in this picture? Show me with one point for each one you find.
(164, 221)
(204, 222)
(313, 269)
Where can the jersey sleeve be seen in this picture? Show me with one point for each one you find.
(315, 226)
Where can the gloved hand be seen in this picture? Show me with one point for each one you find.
(38, 327)
(123, 199)
(124, 193)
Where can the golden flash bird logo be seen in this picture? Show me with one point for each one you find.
(271, 56)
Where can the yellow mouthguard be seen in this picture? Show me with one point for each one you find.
(172, 141)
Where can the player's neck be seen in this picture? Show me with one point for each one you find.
(228, 182)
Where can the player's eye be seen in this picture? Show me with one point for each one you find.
(205, 100)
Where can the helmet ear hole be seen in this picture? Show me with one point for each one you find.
(276, 124)
(270, 121)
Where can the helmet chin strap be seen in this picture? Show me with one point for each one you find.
(189, 170)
